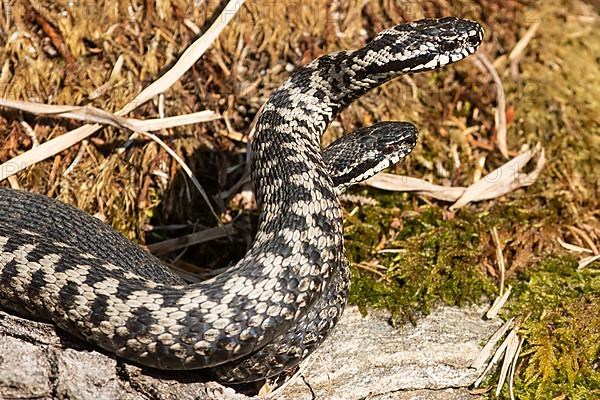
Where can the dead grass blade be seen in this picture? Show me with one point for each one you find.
(156, 124)
(98, 116)
(517, 51)
(583, 235)
(489, 346)
(513, 370)
(512, 347)
(187, 59)
(112, 79)
(499, 352)
(46, 150)
(585, 261)
(573, 247)
(500, 118)
(504, 180)
(400, 183)
(193, 238)
(499, 259)
(498, 304)
(30, 132)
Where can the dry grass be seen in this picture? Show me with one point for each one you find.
(64, 52)
(52, 53)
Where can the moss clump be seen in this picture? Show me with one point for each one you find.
(427, 260)
(561, 357)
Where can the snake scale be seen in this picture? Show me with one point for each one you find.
(274, 307)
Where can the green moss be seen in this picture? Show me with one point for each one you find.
(428, 259)
(561, 352)
(438, 256)
(425, 260)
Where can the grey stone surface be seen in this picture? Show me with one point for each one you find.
(442, 394)
(24, 373)
(96, 378)
(38, 361)
(368, 358)
(364, 358)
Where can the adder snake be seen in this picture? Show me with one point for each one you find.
(281, 300)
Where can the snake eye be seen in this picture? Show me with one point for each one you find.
(448, 46)
(473, 40)
(388, 149)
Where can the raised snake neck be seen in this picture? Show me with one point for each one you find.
(284, 296)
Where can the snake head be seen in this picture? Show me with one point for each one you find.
(367, 151)
(427, 44)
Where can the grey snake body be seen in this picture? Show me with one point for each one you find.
(281, 300)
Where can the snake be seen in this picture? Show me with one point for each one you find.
(275, 306)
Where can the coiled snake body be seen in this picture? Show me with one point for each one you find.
(279, 302)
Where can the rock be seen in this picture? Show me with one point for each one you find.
(364, 358)
(368, 358)
(39, 361)
(24, 373)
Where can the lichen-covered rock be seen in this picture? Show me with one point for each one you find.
(24, 369)
(366, 357)
(38, 361)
